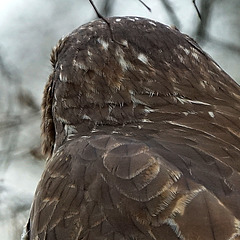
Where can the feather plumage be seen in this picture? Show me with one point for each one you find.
(142, 134)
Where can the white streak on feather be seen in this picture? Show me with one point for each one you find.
(152, 23)
(195, 55)
(85, 116)
(211, 114)
(70, 130)
(143, 58)
(125, 43)
(198, 102)
(187, 51)
(237, 226)
(123, 63)
(131, 19)
(89, 53)
(62, 120)
(62, 78)
(179, 124)
(145, 120)
(184, 100)
(79, 65)
(148, 109)
(120, 56)
(103, 43)
(175, 228)
(181, 58)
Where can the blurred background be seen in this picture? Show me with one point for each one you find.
(29, 29)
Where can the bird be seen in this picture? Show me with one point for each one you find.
(141, 133)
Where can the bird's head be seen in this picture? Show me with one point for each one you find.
(130, 71)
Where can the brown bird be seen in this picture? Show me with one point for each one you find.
(142, 132)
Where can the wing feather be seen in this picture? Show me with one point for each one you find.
(115, 187)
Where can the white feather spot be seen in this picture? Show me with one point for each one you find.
(125, 43)
(203, 84)
(79, 65)
(131, 19)
(114, 131)
(62, 120)
(180, 57)
(121, 60)
(148, 109)
(195, 55)
(118, 20)
(145, 120)
(89, 53)
(85, 116)
(62, 78)
(211, 114)
(70, 130)
(154, 24)
(189, 112)
(187, 51)
(143, 58)
(94, 130)
(103, 43)
(123, 63)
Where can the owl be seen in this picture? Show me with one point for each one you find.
(141, 131)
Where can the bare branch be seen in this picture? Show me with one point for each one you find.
(145, 5)
(106, 21)
(97, 12)
(198, 12)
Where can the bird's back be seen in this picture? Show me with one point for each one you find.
(142, 130)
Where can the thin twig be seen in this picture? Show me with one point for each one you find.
(97, 12)
(198, 12)
(145, 5)
(106, 21)
(102, 17)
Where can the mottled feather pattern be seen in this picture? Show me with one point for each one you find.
(142, 134)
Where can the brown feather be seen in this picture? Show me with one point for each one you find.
(143, 138)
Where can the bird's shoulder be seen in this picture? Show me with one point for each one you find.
(127, 183)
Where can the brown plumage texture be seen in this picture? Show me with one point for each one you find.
(142, 132)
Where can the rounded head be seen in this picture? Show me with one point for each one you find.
(104, 72)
